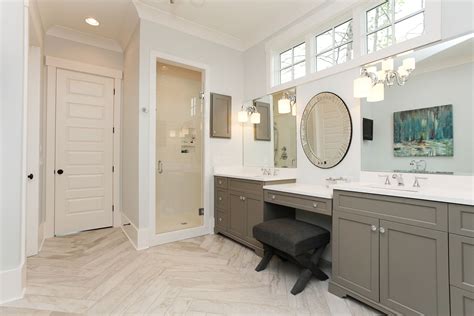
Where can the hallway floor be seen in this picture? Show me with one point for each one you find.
(99, 272)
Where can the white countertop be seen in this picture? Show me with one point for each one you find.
(303, 189)
(254, 177)
(431, 194)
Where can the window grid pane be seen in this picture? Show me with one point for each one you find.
(409, 28)
(299, 53)
(324, 42)
(404, 8)
(343, 33)
(379, 17)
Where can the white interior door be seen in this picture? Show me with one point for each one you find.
(84, 152)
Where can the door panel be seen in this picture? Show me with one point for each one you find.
(461, 261)
(356, 253)
(84, 151)
(237, 215)
(254, 209)
(414, 269)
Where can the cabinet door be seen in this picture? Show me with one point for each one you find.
(462, 302)
(461, 261)
(254, 208)
(237, 215)
(221, 114)
(355, 253)
(414, 269)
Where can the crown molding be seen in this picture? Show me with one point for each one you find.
(158, 16)
(84, 38)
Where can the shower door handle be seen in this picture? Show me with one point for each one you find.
(160, 166)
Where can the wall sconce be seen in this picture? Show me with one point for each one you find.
(248, 111)
(371, 82)
(287, 104)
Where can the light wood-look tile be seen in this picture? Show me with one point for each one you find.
(100, 273)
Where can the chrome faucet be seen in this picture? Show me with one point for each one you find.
(416, 184)
(399, 178)
(275, 171)
(387, 178)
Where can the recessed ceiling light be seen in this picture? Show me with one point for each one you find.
(91, 21)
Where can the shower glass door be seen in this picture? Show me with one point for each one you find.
(179, 165)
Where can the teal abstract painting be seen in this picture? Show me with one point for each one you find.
(424, 132)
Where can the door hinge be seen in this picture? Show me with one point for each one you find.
(113, 130)
(114, 91)
(113, 208)
(113, 168)
(201, 211)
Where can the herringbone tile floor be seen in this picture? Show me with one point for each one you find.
(99, 272)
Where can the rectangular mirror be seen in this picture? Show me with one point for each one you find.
(272, 142)
(425, 125)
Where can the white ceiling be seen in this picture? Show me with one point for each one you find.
(116, 16)
(246, 22)
(249, 21)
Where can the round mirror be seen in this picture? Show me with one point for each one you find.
(326, 130)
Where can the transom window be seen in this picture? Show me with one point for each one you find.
(334, 46)
(293, 63)
(394, 21)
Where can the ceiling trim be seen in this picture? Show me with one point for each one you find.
(84, 38)
(155, 15)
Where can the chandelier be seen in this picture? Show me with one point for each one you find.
(371, 82)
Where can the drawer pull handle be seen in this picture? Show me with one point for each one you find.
(243, 198)
(382, 230)
(220, 181)
(315, 204)
(220, 198)
(273, 197)
(373, 228)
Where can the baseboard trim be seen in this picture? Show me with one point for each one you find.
(137, 237)
(12, 284)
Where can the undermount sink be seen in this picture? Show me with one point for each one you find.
(386, 187)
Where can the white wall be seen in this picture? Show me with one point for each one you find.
(425, 90)
(225, 77)
(72, 50)
(12, 174)
(130, 127)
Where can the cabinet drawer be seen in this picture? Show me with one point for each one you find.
(247, 186)
(222, 219)
(312, 204)
(415, 212)
(222, 200)
(461, 219)
(220, 182)
(461, 261)
(462, 302)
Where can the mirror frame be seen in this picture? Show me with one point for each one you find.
(303, 137)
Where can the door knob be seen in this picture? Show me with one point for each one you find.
(220, 198)
(30, 176)
(382, 230)
(373, 228)
(315, 204)
(273, 197)
(60, 171)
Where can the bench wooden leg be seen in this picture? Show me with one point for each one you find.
(268, 254)
(303, 279)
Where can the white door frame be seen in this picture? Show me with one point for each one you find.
(163, 238)
(54, 63)
(34, 233)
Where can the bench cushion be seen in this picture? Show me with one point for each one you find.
(291, 236)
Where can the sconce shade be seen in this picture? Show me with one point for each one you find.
(409, 63)
(255, 118)
(362, 87)
(242, 116)
(293, 110)
(387, 64)
(376, 93)
(284, 106)
(402, 71)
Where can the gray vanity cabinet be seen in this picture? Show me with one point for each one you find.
(237, 214)
(355, 254)
(221, 115)
(414, 269)
(391, 253)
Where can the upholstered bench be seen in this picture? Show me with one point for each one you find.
(294, 240)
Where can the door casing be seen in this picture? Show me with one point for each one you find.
(207, 228)
(54, 63)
